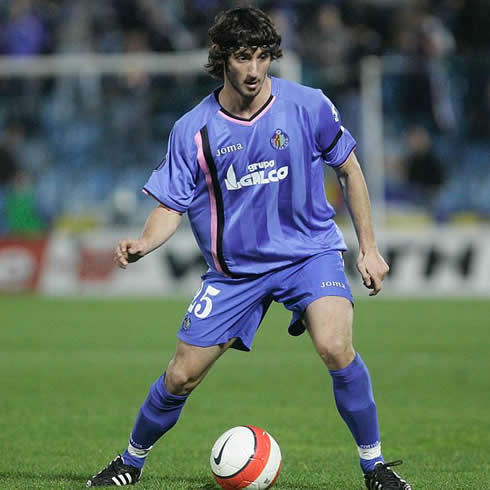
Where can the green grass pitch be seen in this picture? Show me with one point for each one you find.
(74, 373)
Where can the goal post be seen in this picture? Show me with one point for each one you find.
(173, 63)
(372, 134)
(191, 63)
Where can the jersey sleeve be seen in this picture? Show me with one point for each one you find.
(173, 182)
(334, 142)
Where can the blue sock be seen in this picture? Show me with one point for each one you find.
(158, 414)
(355, 403)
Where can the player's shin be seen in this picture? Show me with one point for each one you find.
(158, 414)
(355, 403)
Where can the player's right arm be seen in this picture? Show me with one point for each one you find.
(160, 225)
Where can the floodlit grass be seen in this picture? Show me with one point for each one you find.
(74, 373)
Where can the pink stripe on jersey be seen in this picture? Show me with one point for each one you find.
(212, 201)
(252, 121)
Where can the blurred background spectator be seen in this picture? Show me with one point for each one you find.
(22, 216)
(425, 43)
(74, 148)
(24, 32)
(424, 169)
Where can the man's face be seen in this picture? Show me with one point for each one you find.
(246, 71)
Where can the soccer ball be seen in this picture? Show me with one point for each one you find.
(245, 457)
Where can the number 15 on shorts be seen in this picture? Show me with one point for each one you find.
(201, 305)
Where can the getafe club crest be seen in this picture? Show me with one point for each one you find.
(186, 324)
(279, 140)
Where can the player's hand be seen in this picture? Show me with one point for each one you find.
(373, 269)
(129, 251)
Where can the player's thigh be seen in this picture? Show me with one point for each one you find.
(302, 284)
(190, 364)
(318, 293)
(329, 320)
(223, 309)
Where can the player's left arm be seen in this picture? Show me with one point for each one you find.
(370, 263)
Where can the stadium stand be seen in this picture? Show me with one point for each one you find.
(75, 145)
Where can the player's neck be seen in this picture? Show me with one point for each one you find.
(244, 107)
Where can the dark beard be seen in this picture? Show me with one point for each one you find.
(236, 85)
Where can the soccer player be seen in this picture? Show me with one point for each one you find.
(246, 164)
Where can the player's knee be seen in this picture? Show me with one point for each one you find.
(335, 352)
(179, 381)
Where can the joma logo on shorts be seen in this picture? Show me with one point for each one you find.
(335, 284)
(228, 149)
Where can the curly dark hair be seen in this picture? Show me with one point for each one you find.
(243, 27)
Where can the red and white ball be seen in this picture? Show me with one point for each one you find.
(245, 457)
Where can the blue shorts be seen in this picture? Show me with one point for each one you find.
(226, 308)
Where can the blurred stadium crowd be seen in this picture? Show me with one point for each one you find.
(77, 147)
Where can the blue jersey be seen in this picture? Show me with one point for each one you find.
(254, 188)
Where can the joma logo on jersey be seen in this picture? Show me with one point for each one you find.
(228, 149)
(260, 174)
